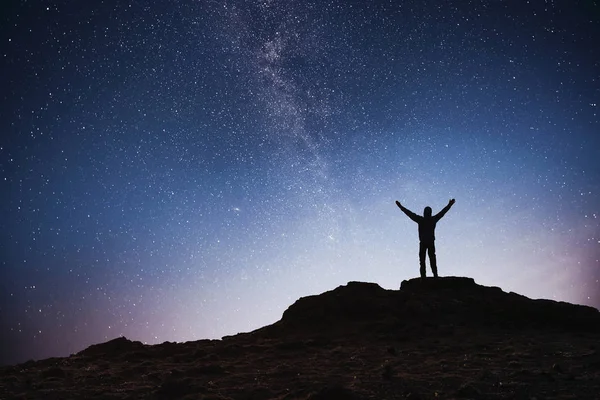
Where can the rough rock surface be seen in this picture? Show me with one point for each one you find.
(445, 338)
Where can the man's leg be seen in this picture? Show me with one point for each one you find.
(422, 250)
(432, 259)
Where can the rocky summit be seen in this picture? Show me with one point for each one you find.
(444, 338)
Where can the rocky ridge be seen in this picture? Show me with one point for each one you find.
(445, 338)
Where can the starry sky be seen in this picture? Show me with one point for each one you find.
(174, 171)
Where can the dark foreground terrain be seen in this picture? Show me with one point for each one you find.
(435, 339)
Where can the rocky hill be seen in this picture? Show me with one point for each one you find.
(445, 338)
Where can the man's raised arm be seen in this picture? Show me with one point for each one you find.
(439, 215)
(409, 213)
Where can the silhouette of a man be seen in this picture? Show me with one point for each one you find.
(426, 234)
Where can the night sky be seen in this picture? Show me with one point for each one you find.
(174, 171)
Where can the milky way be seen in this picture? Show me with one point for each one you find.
(173, 172)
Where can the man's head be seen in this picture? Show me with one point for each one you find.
(427, 212)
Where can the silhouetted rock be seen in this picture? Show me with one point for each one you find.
(113, 348)
(444, 338)
(441, 283)
(354, 302)
(444, 302)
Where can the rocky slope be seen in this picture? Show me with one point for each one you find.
(447, 338)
